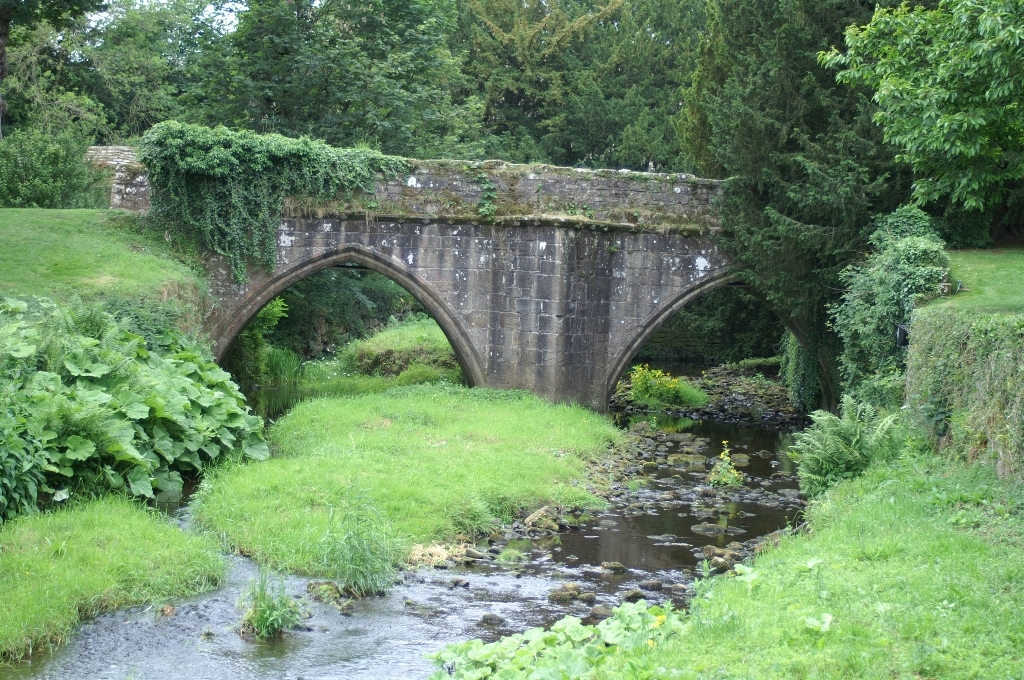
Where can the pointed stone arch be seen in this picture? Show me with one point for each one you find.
(225, 333)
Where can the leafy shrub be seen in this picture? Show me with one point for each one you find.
(225, 189)
(86, 407)
(724, 473)
(269, 611)
(657, 388)
(907, 267)
(43, 170)
(568, 649)
(837, 448)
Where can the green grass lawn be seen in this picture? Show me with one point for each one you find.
(62, 566)
(994, 280)
(437, 461)
(916, 570)
(57, 252)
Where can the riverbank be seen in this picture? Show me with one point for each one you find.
(913, 570)
(441, 463)
(67, 565)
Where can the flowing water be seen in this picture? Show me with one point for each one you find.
(656, 529)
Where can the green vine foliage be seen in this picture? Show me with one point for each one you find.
(225, 190)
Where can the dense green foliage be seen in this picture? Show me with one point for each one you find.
(725, 326)
(837, 448)
(656, 388)
(60, 567)
(579, 83)
(86, 407)
(438, 462)
(225, 190)
(250, 356)
(57, 13)
(377, 72)
(965, 381)
(948, 82)
(906, 268)
(43, 170)
(807, 166)
(336, 305)
(566, 649)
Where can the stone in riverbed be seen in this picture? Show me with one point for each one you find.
(652, 584)
(687, 460)
(589, 598)
(708, 529)
(458, 583)
(565, 593)
(492, 620)
(600, 612)
(720, 564)
(633, 595)
(614, 567)
(476, 554)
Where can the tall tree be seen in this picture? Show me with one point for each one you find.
(949, 81)
(28, 12)
(807, 167)
(145, 61)
(376, 71)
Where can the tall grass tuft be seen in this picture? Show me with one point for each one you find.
(359, 547)
(268, 609)
(282, 365)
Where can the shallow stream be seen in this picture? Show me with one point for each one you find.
(656, 529)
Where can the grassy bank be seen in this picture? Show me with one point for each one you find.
(63, 566)
(55, 252)
(436, 461)
(993, 281)
(915, 570)
(965, 377)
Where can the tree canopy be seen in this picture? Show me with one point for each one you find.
(948, 82)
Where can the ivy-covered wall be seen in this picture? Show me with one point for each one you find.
(965, 382)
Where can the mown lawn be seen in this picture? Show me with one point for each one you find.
(437, 461)
(63, 566)
(55, 253)
(993, 280)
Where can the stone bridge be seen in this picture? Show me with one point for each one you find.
(543, 278)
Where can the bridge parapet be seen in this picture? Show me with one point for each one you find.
(492, 192)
